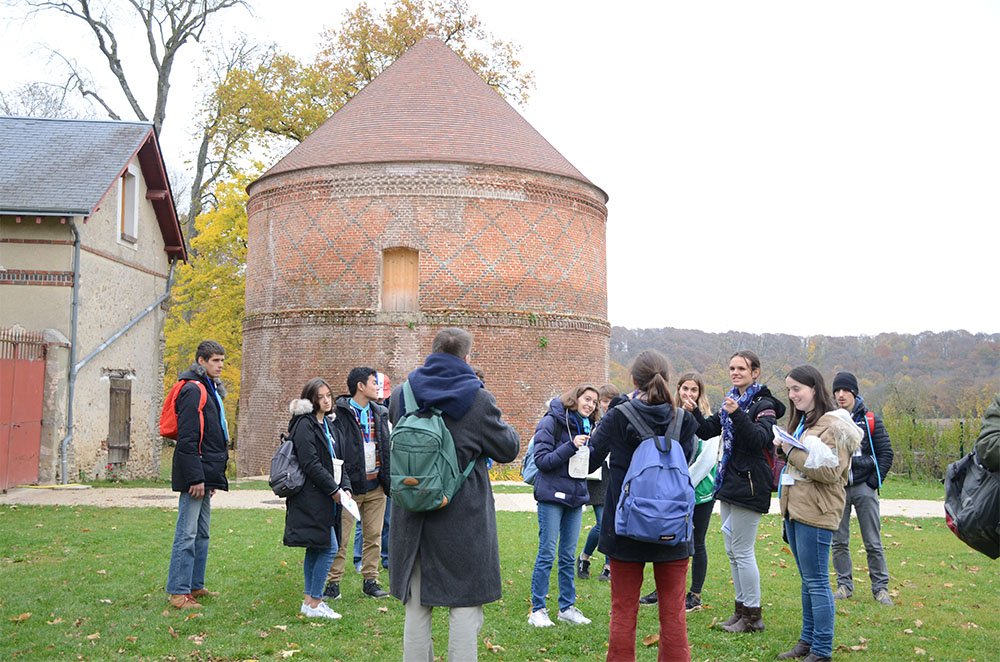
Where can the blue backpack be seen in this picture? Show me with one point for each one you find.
(528, 468)
(656, 504)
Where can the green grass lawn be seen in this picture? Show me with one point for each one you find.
(87, 583)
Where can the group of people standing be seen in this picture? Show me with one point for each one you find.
(820, 469)
(583, 447)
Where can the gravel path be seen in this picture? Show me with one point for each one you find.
(164, 498)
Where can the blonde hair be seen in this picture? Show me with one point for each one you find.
(703, 405)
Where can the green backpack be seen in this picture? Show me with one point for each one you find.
(423, 468)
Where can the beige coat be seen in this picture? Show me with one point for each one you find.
(817, 497)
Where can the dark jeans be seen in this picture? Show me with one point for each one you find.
(699, 564)
(590, 545)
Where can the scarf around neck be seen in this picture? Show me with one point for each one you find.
(743, 402)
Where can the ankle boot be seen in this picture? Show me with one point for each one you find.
(737, 615)
(800, 649)
(750, 622)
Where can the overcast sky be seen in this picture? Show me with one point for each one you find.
(796, 167)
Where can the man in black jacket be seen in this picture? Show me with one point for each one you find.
(869, 467)
(362, 429)
(199, 469)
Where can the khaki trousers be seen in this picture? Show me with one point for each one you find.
(372, 507)
(464, 624)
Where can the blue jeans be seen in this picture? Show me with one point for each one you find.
(595, 533)
(189, 555)
(316, 564)
(556, 523)
(811, 547)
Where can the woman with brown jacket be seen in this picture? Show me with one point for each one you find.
(821, 440)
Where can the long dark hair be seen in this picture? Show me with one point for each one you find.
(310, 391)
(650, 373)
(822, 402)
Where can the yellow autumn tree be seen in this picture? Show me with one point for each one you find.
(208, 294)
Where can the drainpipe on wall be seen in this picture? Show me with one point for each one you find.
(74, 316)
(77, 367)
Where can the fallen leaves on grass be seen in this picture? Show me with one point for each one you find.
(969, 625)
(383, 610)
(919, 651)
(172, 631)
(263, 634)
(55, 621)
(105, 601)
(194, 614)
(94, 637)
(283, 628)
(288, 653)
(102, 572)
(197, 639)
(651, 640)
(918, 623)
(131, 639)
(862, 645)
(491, 647)
(21, 617)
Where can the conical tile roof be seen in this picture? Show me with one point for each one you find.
(429, 105)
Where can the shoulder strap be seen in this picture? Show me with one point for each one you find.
(645, 432)
(202, 399)
(409, 400)
(674, 431)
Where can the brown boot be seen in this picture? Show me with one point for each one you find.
(204, 593)
(751, 621)
(801, 649)
(184, 601)
(737, 615)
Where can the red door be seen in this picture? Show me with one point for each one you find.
(22, 380)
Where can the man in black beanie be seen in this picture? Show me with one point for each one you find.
(869, 467)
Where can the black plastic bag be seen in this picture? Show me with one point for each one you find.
(972, 505)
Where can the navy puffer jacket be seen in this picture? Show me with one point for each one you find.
(553, 449)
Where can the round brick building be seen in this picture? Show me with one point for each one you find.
(427, 201)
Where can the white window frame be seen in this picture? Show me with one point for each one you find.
(127, 213)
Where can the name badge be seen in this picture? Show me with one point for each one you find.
(786, 479)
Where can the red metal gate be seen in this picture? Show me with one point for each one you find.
(22, 383)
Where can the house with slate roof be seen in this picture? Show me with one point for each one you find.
(89, 236)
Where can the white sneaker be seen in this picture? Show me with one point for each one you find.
(573, 615)
(540, 619)
(304, 608)
(328, 612)
(319, 611)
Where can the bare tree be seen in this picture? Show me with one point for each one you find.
(168, 25)
(40, 99)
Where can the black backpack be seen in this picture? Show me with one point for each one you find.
(972, 504)
(286, 478)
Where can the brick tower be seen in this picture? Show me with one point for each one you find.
(427, 201)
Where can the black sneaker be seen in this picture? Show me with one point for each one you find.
(372, 588)
(582, 568)
(692, 602)
(648, 599)
(605, 575)
(332, 591)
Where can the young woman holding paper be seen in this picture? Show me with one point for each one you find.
(312, 516)
(812, 500)
(561, 455)
(743, 479)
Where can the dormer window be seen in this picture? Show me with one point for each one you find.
(128, 205)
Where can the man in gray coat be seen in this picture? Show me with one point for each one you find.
(451, 557)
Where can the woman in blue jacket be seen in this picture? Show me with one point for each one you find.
(563, 430)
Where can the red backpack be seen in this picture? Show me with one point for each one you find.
(168, 415)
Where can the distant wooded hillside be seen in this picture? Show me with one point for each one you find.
(930, 375)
